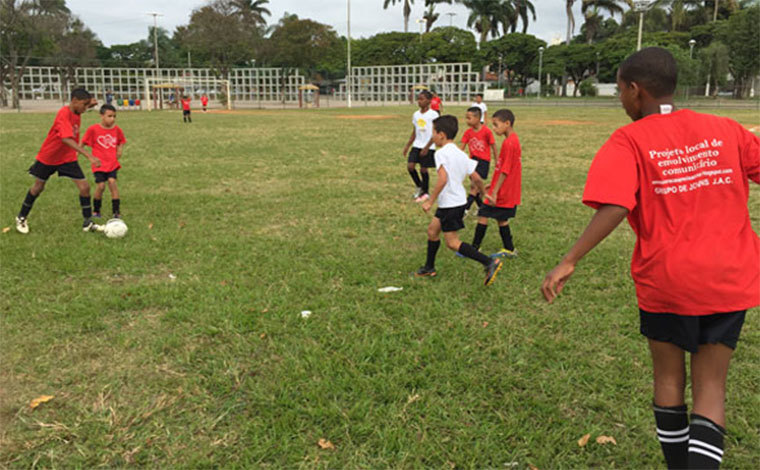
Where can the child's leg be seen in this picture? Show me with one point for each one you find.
(709, 368)
(84, 198)
(37, 187)
(97, 199)
(471, 196)
(410, 167)
(506, 235)
(189, 119)
(425, 179)
(480, 232)
(454, 243)
(670, 414)
(115, 201)
(434, 242)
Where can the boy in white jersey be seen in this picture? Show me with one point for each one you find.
(423, 148)
(452, 166)
(480, 104)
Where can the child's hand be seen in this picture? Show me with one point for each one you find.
(555, 281)
(95, 161)
(488, 200)
(427, 205)
(424, 151)
(93, 102)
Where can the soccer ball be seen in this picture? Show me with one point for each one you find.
(115, 228)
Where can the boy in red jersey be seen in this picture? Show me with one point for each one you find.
(107, 142)
(682, 179)
(204, 102)
(436, 104)
(59, 154)
(186, 109)
(503, 195)
(482, 144)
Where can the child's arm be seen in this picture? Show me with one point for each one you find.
(602, 224)
(73, 144)
(440, 182)
(478, 182)
(499, 181)
(409, 142)
(426, 148)
(493, 150)
(119, 151)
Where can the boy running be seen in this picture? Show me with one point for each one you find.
(480, 104)
(682, 180)
(482, 144)
(107, 142)
(423, 148)
(506, 186)
(453, 166)
(186, 109)
(59, 155)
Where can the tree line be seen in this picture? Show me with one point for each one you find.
(235, 33)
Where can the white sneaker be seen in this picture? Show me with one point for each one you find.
(424, 197)
(90, 226)
(417, 193)
(21, 226)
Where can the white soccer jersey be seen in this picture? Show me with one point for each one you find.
(423, 124)
(458, 166)
(483, 109)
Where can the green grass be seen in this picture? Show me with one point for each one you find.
(262, 214)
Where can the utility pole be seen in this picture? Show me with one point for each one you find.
(155, 34)
(348, 72)
(451, 18)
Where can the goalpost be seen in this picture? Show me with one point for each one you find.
(161, 93)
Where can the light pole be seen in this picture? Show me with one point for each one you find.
(540, 63)
(155, 34)
(500, 73)
(348, 66)
(692, 43)
(451, 18)
(641, 6)
(420, 21)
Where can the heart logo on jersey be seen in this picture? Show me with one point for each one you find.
(107, 141)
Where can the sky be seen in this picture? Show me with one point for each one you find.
(128, 21)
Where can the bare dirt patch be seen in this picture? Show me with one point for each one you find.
(563, 122)
(363, 117)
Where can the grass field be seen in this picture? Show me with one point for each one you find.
(182, 345)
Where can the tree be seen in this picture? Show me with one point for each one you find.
(740, 35)
(486, 16)
(430, 15)
(74, 47)
(252, 11)
(577, 60)
(516, 52)
(407, 10)
(522, 10)
(304, 44)
(593, 19)
(715, 64)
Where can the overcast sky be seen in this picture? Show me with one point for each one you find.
(125, 22)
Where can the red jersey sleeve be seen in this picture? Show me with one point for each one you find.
(613, 176)
(466, 136)
(490, 139)
(87, 139)
(749, 154)
(506, 157)
(121, 140)
(64, 128)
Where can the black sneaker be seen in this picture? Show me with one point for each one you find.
(492, 270)
(425, 272)
(96, 215)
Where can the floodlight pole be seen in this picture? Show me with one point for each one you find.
(640, 6)
(540, 63)
(451, 18)
(348, 72)
(155, 34)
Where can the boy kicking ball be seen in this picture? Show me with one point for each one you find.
(107, 142)
(452, 166)
(682, 180)
(59, 155)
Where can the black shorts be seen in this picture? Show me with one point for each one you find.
(42, 172)
(103, 176)
(499, 213)
(689, 332)
(451, 218)
(482, 168)
(186, 112)
(428, 161)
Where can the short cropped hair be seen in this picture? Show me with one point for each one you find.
(107, 107)
(653, 69)
(479, 94)
(447, 124)
(504, 115)
(475, 110)
(426, 94)
(80, 94)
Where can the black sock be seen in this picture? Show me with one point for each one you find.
(189, 119)
(506, 238)
(480, 232)
(673, 434)
(425, 181)
(432, 250)
(472, 253)
(705, 443)
(84, 201)
(27, 205)
(415, 178)
(470, 200)
(96, 205)
(115, 206)
(478, 201)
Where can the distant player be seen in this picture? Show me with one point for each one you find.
(59, 155)
(436, 104)
(423, 148)
(682, 180)
(453, 167)
(482, 145)
(483, 107)
(504, 192)
(107, 142)
(204, 102)
(186, 109)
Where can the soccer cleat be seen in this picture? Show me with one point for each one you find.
(417, 193)
(504, 253)
(424, 197)
(96, 215)
(21, 226)
(116, 215)
(425, 272)
(492, 270)
(89, 226)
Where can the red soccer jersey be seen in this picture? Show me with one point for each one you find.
(104, 143)
(435, 104)
(479, 142)
(684, 177)
(65, 126)
(185, 104)
(204, 100)
(510, 164)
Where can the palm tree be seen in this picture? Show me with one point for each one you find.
(252, 11)
(570, 20)
(407, 10)
(486, 16)
(430, 15)
(522, 9)
(591, 9)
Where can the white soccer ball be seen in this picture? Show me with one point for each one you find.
(115, 228)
